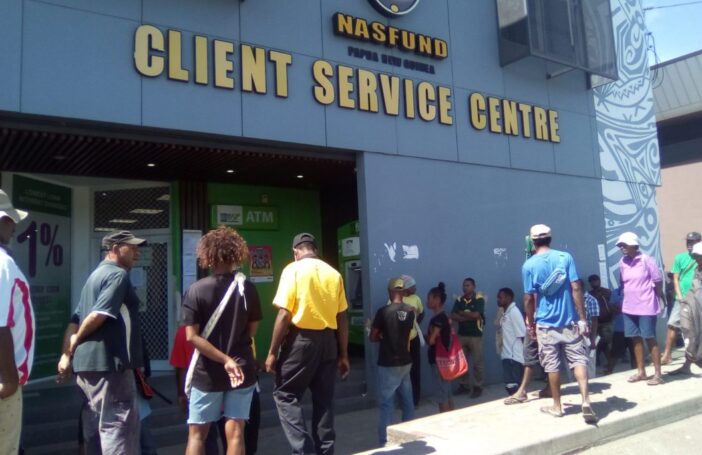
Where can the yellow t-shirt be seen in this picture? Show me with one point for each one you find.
(415, 302)
(313, 292)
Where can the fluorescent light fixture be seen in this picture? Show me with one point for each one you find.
(151, 164)
(300, 176)
(104, 229)
(166, 197)
(146, 211)
(123, 221)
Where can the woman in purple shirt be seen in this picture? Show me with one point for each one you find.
(641, 283)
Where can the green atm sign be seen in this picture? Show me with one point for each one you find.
(246, 217)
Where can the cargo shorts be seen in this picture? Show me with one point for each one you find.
(556, 341)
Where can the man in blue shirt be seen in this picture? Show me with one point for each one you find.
(555, 315)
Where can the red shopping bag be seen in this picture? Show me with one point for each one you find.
(452, 363)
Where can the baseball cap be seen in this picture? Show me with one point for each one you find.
(302, 238)
(694, 237)
(628, 238)
(6, 209)
(697, 249)
(396, 284)
(408, 281)
(116, 238)
(539, 231)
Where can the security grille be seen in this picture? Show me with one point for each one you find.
(154, 305)
(132, 209)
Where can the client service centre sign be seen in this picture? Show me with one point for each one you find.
(230, 66)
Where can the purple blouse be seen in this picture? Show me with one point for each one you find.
(638, 277)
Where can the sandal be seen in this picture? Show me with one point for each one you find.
(515, 400)
(636, 378)
(589, 415)
(550, 411)
(656, 380)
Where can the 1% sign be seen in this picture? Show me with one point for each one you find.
(46, 235)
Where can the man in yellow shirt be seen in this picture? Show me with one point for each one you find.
(309, 342)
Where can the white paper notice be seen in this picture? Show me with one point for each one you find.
(604, 279)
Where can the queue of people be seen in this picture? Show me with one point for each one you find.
(562, 328)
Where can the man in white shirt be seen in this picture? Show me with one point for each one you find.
(16, 331)
(513, 333)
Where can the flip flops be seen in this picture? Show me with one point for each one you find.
(589, 415)
(636, 378)
(515, 400)
(550, 411)
(656, 380)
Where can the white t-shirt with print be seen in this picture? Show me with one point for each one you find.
(17, 314)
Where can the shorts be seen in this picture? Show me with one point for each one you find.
(11, 422)
(618, 345)
(512, 372)
(441, 387)
(531, 352)
(639, 326)
(556, 341)
(206, 407)
(674, 318)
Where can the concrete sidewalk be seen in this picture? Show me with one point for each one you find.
(494, 428)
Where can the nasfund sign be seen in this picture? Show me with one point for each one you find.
(394, 7)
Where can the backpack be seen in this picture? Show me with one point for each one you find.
(691, 321)
(451, 363)
(554, 282)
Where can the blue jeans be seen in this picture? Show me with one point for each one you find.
(391, 380)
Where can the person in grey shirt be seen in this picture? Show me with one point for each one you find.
(107, 348)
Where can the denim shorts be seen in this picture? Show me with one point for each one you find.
(206, 407)
(639, 326)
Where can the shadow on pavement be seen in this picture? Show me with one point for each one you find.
(593, 388)
(408, 448)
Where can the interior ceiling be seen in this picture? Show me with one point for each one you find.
(48, 149)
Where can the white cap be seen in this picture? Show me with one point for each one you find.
(539, 231)
(6, 209)
(628, 238)
(697, 249)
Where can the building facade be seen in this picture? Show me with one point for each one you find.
(168, 117)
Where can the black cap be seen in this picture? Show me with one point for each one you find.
(116, 238)
(694, 237)
(304, 237)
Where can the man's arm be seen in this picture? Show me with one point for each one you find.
(579, 299)
(192, 334)
(342, 338)
(91, 323)
(64, 364)
(676, 285)
(529, 310)
(660, 293)
(9, 380)
(280, 329)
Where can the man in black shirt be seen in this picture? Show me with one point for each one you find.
(391, 328)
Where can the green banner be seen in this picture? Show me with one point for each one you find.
(35, 195)
(246, 217)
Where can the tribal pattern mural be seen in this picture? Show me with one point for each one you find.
(626, 131)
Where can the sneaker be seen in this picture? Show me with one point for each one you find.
(477, 391)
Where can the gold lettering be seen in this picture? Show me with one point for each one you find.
(202, 75)
(425, 95)
(494, 109)
(344, 24)
(445, 106)
(390, 88)
(253, 69)
(393, 35)
(148, 38)
(361, 30)
(345, 74)
(509, 114)
(440, 49)
(409, 40)
(324, 90)
(282, 61)
(175, 56)
(367, 91)
(378, 35)
(223, 67)
(424, 45)
(477, 111)
(409, 98)
(525, 109)
(553, 126)
(540, 126)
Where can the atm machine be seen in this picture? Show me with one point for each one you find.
(350, 266)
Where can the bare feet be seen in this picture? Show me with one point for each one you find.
(665, 360)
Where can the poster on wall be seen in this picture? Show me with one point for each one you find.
(42, 248)
(189, 257)
(261, 263)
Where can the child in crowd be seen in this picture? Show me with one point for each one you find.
(513, 332)
(439, 332)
